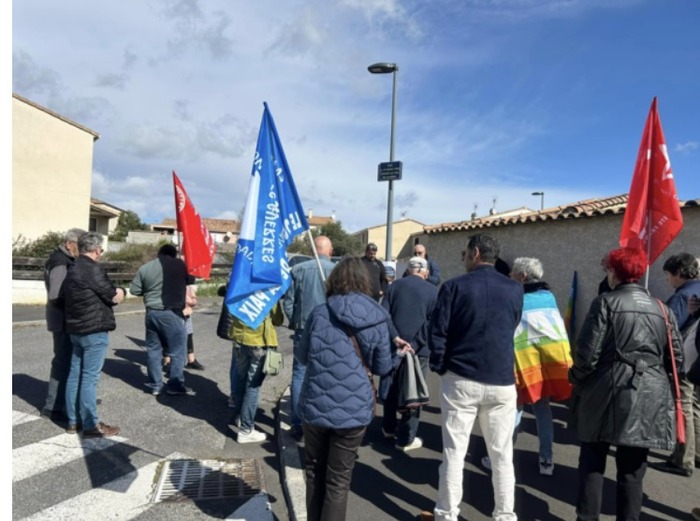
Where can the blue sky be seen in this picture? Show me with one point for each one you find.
(496, 99)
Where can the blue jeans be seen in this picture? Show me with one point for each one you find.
(249, 378)
(298, 374)
(60, 367)
(545, 427)
(85, 368)
(166, 325)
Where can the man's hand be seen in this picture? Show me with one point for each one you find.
(402, 346)
(119, 296)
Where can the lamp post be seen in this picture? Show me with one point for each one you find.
(541, 194)
(386, 68)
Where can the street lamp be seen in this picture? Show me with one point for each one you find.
(386, 68)
(541, 194)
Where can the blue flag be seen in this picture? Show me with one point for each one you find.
(273, 217)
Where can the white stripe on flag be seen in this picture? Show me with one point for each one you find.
(48, 454)
(124, 498)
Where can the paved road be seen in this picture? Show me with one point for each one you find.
(387, 484)
(58, 476)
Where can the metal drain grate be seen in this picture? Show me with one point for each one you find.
(209, 479)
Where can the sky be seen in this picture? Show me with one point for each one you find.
(495, 99)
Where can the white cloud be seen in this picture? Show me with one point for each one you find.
(687, 147)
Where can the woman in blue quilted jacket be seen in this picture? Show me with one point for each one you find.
(344, 342)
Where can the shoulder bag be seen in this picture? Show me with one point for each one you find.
(364, 365)
(273, 362)
(680, 415)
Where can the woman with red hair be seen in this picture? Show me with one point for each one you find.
(622, 392)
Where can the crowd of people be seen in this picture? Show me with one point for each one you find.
(493, 335)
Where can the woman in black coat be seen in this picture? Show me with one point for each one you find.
(622, 386)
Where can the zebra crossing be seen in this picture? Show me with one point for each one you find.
(67, 462)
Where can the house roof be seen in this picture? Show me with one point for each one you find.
(586, 208)
(104, 207)
(317, 220)
(213, 225)
(95, 135)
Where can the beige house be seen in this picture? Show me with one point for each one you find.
(223, 231)
(51, 171)
(567, 239)
(103, 217)
(403, 237)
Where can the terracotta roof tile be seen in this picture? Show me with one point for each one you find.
(586, 208)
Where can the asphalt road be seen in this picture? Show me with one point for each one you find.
(387, 484)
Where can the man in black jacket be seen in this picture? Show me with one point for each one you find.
(89, 297)
(471, 347)
(55, 271)
(377, 274)
(410, 301)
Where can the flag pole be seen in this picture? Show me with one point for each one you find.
(646, 273)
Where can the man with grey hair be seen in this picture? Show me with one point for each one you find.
(89, 297)
(410, 301)
(55, 271)
(471, 348)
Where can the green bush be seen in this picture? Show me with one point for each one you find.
(135, 254)
(40, 248)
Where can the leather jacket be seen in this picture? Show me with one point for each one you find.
(622, 371)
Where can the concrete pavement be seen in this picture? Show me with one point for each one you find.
(387, 483)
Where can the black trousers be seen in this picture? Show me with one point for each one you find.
(330, 459)
(631, 465)
(60, 367)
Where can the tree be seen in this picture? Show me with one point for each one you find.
(128, 220)
(343, 243)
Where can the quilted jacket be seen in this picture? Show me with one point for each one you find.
(336, 392)
(88, 295)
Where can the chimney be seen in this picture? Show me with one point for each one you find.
(310, 213)
(333, 216)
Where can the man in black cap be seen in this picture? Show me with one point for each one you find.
(377, 274)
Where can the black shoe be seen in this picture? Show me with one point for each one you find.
(195, 365)
(296, 432)
(666, 466)
(181, 391)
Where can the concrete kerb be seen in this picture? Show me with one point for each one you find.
(290, 463)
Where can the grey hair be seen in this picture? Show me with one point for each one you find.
(73, 235)
(529, 267)
(89, 242)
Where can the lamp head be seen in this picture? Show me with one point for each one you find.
(382, 68)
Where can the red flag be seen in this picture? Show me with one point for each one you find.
(653, 215)
(198, 246)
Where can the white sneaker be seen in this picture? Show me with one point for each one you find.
(417, 443)
(251, 437)
(546, 467)
(486, 462)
